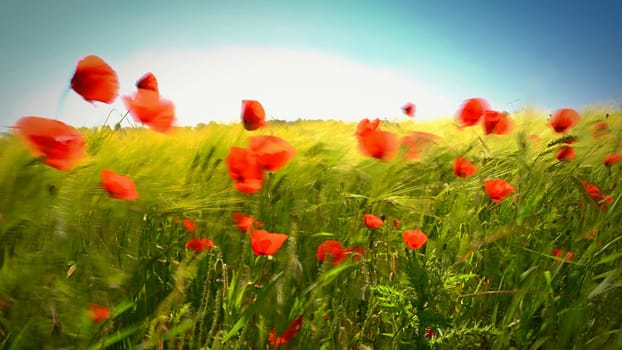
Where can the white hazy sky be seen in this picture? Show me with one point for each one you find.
(290, 83)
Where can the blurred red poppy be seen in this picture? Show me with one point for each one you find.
(379, 144)
(147, 107)
(148, 82)
(564, 119)
(409, 109)
(591, 234)
(331, 251)
(189, 225)
(497, 189)
(291, 331)
(562, 254)
(566, 154)
(266, 243)
(396, 224)
(417, 142)
(253, 115)
(600, 129)
(61, 145)
(464, 168)
(366, 125)
(199, 244)
(594, 192)
(372, 221)
(612, 159)
(471, 111)
(95, 80)
(98, 313)
(118, 186)
(496, 123)
(243, 222)
(356, 252)
(272, 152)
(414, 239)
(245, 170)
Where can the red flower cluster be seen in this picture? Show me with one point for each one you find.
(61, 145)
(374, 142)
(373, 221)
(199, 244)
(409, 109)
(147, 107)
(464, 168)
(497, 189)
(564, 119)
(612, 159)
(98, 313)
(601, 199)
(334, 252)
(494, 122)
(253, 115)
(265, 153)
(566, 154)
(95, 80)
(118, 186)
(414, 239)
(416, 142)
(562, 254)
(266, 243)
(286, 336)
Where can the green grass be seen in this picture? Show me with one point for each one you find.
(485, 279)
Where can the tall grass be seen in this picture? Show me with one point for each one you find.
(485, 279)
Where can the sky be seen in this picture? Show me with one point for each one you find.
(329, 59)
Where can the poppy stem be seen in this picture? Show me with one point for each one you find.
(61, 103)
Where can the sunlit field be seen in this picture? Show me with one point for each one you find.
(189, 260)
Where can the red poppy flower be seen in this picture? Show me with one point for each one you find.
(566, 154)
(379, 144)
(266, 243)
(147, 107)
(396, 224)
(189, 225)
(417, 142)
(357, 252)
(564, 119)
(253, 115)
(366, 125)
(471, 111)
(601, 199)
(118, 186)
(61, 145)
(496, 123)
(414, 239)
(497, 190)
(600, 129)
(245, 170)
(148, 82)
(429, 333)
(243, 222)
(612, 159)
(291, 331)
(272, 152)
(464, 168)
(331, 251)
(409, 109)
(562, 254)
(95, 80)
(372, 221)
(199, 244)
(98, 313)
(591, 234)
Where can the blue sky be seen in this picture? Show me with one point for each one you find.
(322, 59)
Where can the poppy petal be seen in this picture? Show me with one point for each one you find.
(95, 80)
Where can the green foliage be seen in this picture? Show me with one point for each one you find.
(485, 279)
